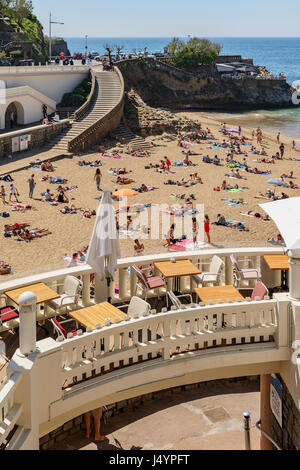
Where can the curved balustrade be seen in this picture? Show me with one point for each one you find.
(141, 354)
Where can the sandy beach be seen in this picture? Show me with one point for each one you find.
(71, 232)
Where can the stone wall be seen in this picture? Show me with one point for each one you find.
(77, 424)
(39, 135)
(288, 438)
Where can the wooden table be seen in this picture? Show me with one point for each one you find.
(92, 316)
(178, 269)
(218, 293)
(279, 263)
(42, 292)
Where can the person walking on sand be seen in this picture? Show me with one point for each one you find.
(293, 145)
(281, 148)
(32, 184)
(13, 192)
(2, 194)
(206, 227)
(195, 230)
(97, 178)
(278, 138)
(168, 163)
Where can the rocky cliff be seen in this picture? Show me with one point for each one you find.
(160, 85)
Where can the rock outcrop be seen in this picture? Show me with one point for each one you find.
(145, 120)
(160, 85)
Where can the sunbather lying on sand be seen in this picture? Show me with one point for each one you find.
(96, 163)
(278, 241)
(46, 166)
(119, 171)
(29, 235)
(70, 210)
(144, 188)
(290, 176)
(124, 180)
(141, 153)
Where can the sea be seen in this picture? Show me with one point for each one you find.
(278, 55)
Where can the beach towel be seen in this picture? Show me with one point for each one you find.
(111, 156)
(232, 203)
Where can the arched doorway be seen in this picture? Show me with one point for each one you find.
(16, 111)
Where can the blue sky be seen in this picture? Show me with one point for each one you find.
(165, 18)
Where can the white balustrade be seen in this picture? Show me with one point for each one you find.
(127, 282)
(165, 334)
(9, 410)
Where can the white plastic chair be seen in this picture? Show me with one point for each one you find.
(175, 299)
(137, 307)
(247, 274)
(213, 276)
(72, 289)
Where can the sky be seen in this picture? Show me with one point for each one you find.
(168, 18)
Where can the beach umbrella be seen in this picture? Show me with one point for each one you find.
(286, 215)
(125, 193)
(104, 248)
(278, 182)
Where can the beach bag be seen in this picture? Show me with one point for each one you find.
(5, 214)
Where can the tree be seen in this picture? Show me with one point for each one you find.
(194, 52)
(110, 49)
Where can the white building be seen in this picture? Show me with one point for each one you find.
(24, 90)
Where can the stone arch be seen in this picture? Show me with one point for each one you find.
(17, 109)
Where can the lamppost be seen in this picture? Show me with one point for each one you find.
(50, 35)
(86, 47)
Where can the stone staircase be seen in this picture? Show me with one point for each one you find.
(106, 96)
(134, 142)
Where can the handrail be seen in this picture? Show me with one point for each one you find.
(140, 260)
(82, 110)
(267, 435)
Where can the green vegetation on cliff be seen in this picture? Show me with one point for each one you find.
(23, 25)
(194, 52)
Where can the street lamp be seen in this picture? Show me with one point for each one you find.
(50, 35)
(86, 47)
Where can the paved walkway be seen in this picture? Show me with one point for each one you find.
(207, 418)
(22, 159)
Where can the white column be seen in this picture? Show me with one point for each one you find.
(27, 335)
(86, 290)
(228, 271)
(101, 290)
(294, 278)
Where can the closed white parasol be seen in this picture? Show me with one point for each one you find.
(104, 248)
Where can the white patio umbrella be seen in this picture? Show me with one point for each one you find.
(286, 215)
(104, 248)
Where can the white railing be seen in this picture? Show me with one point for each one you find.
(43, 69)
(165, 335)
(125, 284)
(137, 352)
(10, 411)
